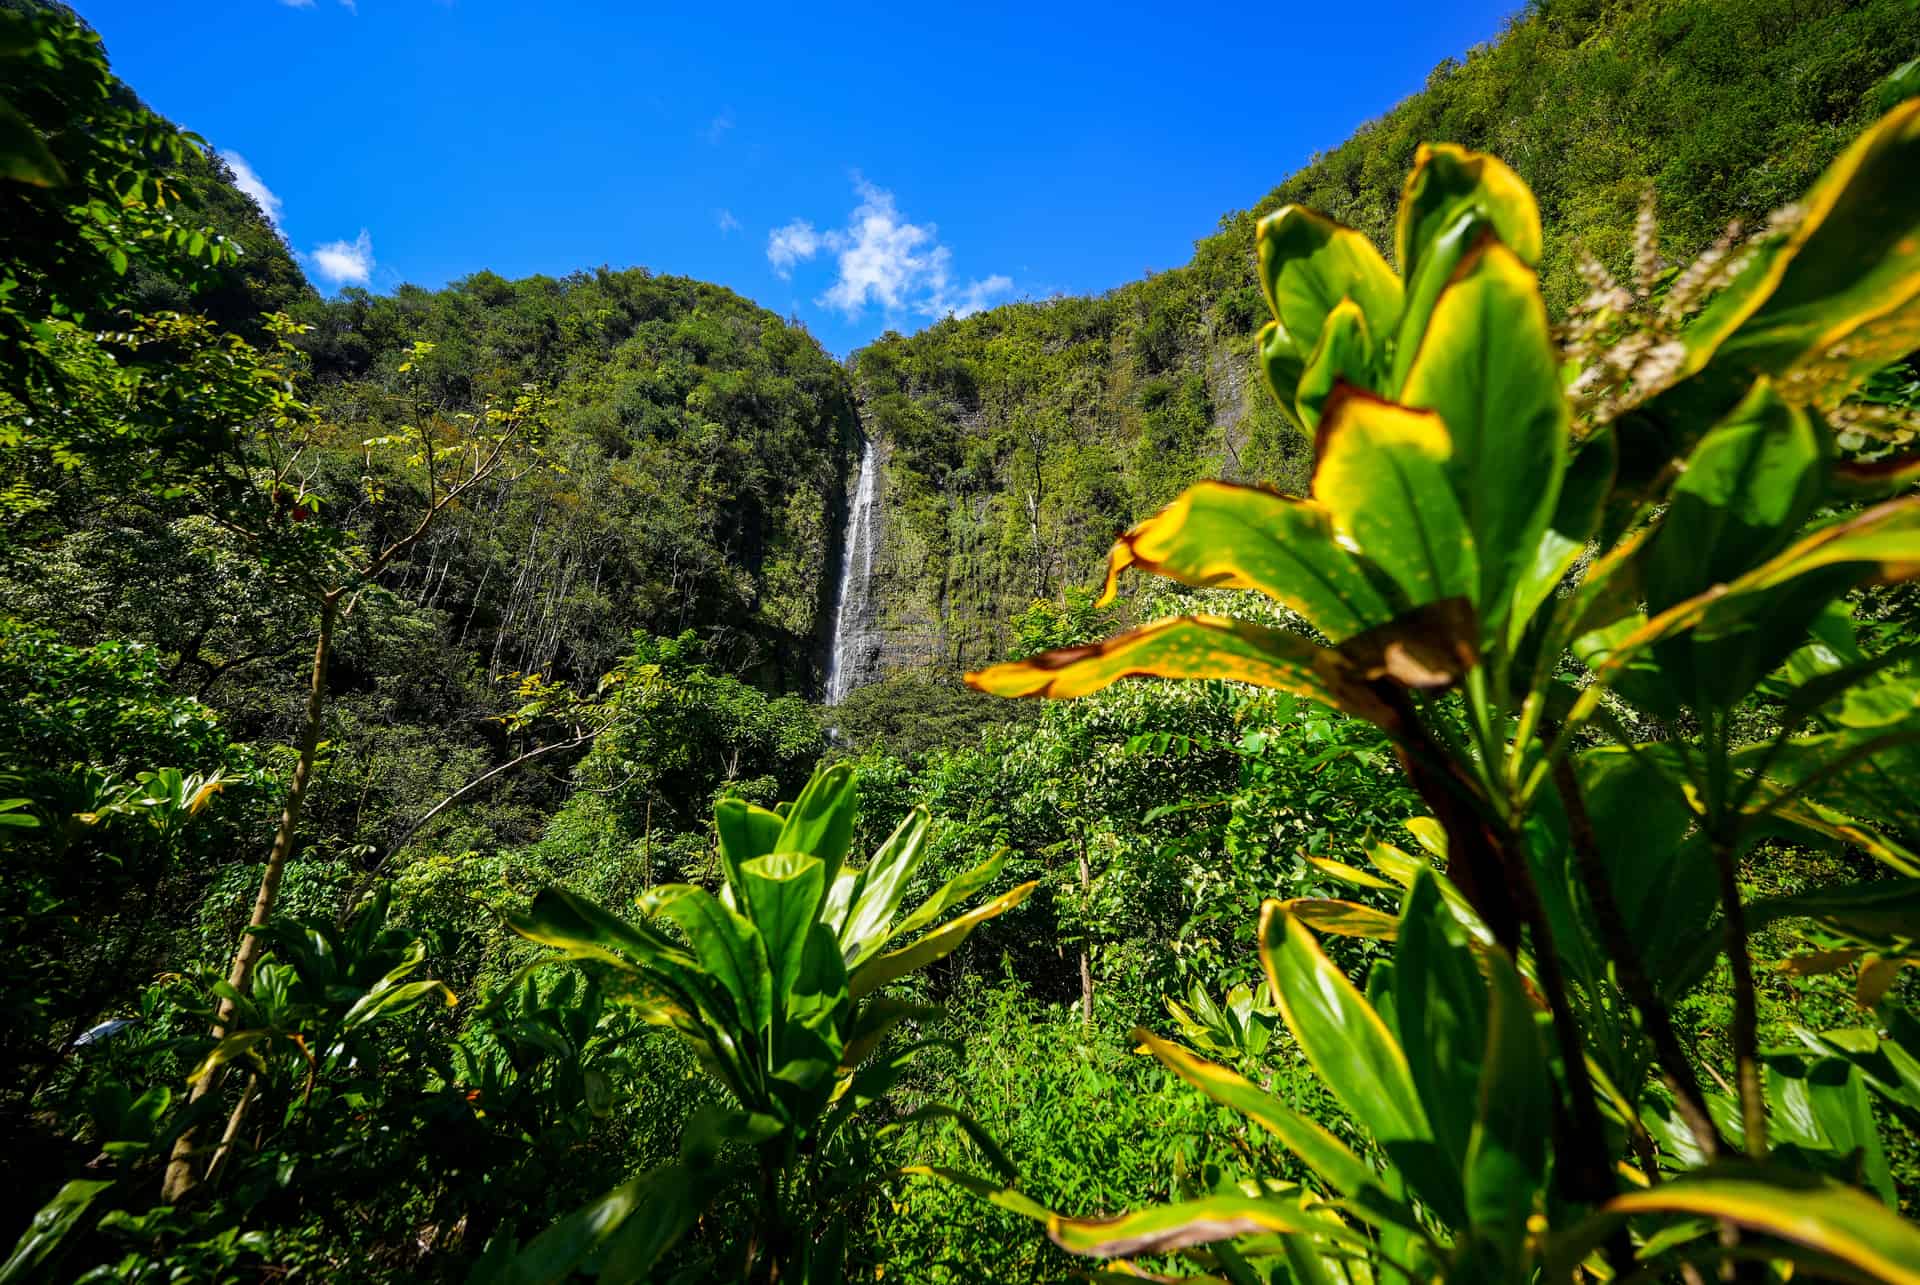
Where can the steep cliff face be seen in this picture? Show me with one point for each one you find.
(1019, 441)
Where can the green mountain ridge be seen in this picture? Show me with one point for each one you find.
(1023, 438)
(710, 447)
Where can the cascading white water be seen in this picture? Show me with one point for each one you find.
(852, 602)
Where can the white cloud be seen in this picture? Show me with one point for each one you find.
(251, 183)
(724, 220)
(978, 295)
(792, 244)
(297, 4)
(717, 127)
(345, 262)
(885, 260)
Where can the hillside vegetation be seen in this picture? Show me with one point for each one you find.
(1027, 436)
(426, 856)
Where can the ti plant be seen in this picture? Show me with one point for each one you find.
(774, 982)
(1503, 589)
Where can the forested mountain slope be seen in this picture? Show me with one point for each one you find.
(700, 445)
(1019, 440)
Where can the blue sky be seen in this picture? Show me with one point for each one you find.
(858, 168)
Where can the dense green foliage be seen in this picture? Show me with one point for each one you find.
(398, 694)
(1026, 437)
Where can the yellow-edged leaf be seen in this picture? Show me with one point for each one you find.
(937, 944)
(1244, 537)
(1343, 918)
(1802, 1208)
(1382, 473)
(1193, 647)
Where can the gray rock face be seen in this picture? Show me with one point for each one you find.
(854, 657)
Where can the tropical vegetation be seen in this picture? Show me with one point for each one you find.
(428, 857)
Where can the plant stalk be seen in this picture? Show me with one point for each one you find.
(179, 1177)
(1675, 1070)
(1746, 1014)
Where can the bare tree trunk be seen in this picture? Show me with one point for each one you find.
(179, 1178)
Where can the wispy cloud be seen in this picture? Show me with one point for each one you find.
(884, 260)
(297, 4)
(724, 220)
(253, 185)
(718, 127)
(794, 243)
(345, 262)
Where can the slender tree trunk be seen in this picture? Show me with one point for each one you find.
(179, 1178)
(232, 1132)
(1086, 966)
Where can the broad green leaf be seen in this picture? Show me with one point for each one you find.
(1345, 354)
(820, 822)
(783, 893)
(1245, 537)
(1839, 297)
(1663, 884)
(1889, 1063)
(1382, 472)
(1877, 544)
(1349, 1047)
(35, 1252)
(937, 944)
(1345, 1173)
(968, 1125)
(24, 157)
(877, 1019)
(1280, 362)
(1747, 489)
(624, 1232)
(1486, 365)
(1193, 647)
(1448, 180)
(1006, 1197)
(1398, 865)
(1440, 1008)
(711, 1127)
(394, 1000)
(1343, 918)
(1821, 1105)
(1506, 1166)
(1309, 263)
(952, 893)
(744, 832)
(1875, 910)
(1801, 1208)
(729, 950)
(559, 918)
(231, 1048)
(879, 887)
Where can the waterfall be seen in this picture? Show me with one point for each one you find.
(853, 600)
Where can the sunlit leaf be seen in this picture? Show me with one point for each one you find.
(1487, 366)
(1343, 918)
(937, 944)
(1192, 647)
(1309, 263)
(1382, 472)
(1242, 537)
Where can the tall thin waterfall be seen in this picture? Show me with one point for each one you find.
(853, 600)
